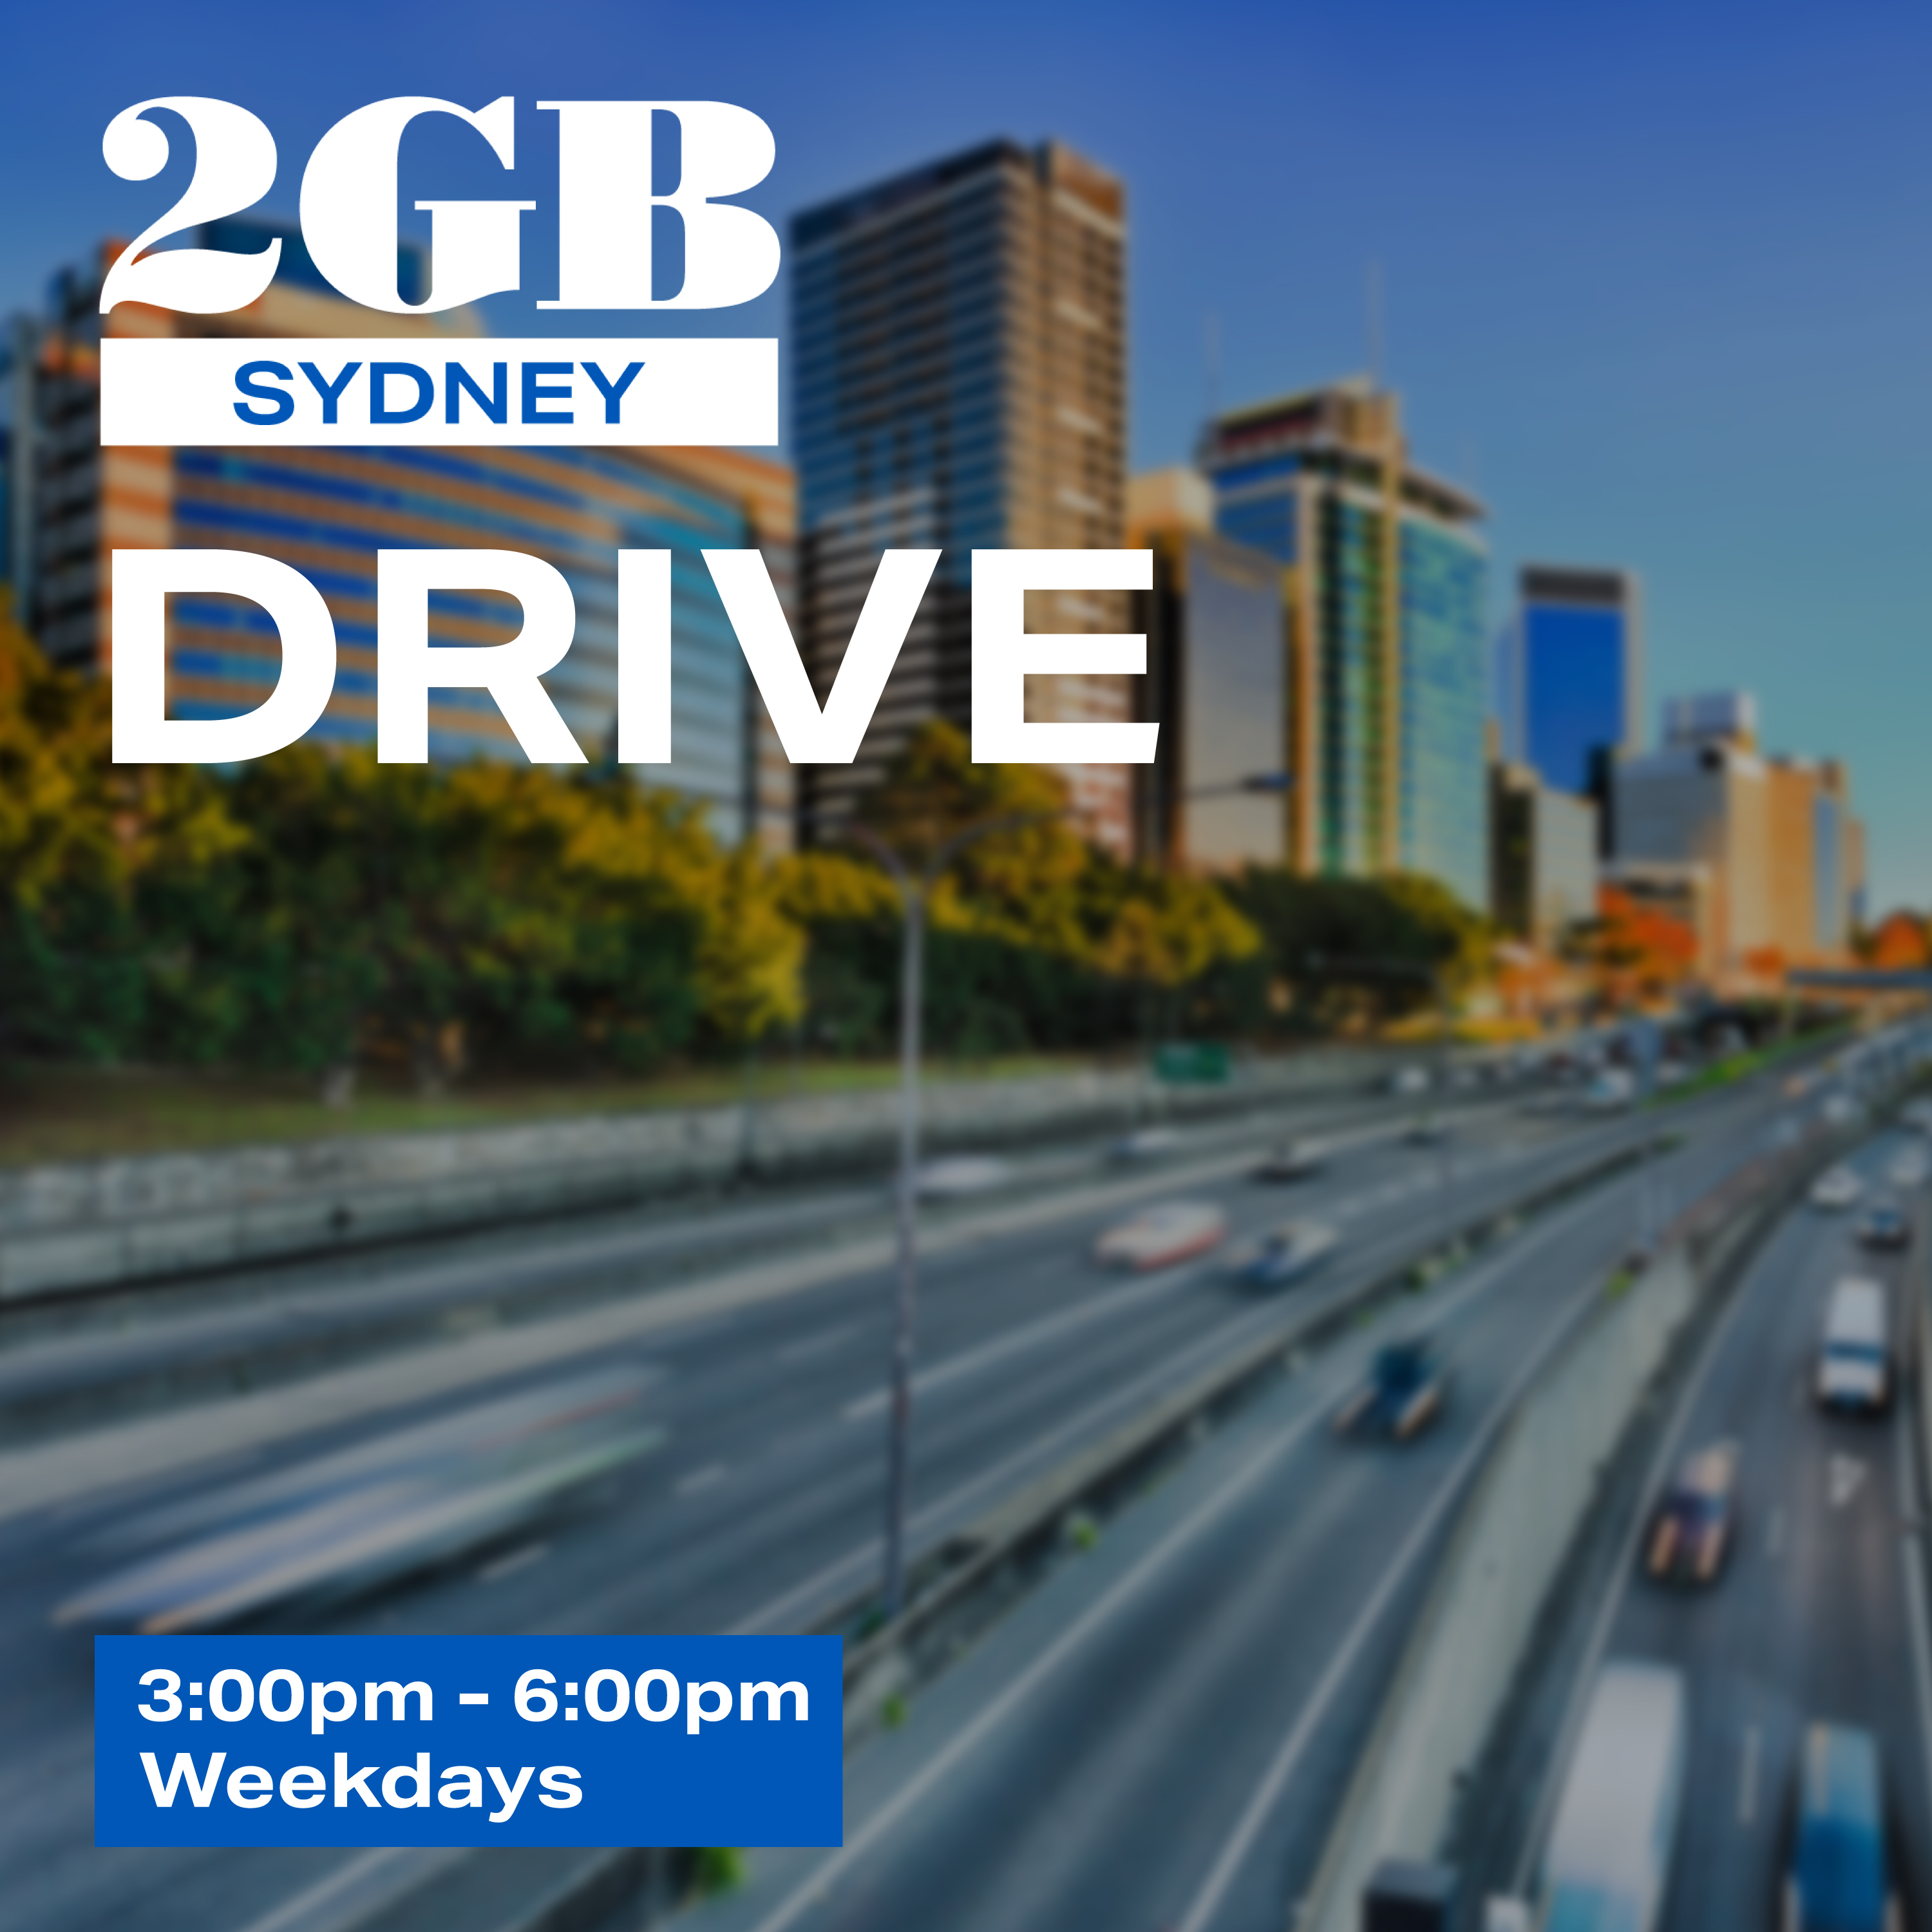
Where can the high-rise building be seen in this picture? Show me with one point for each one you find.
(1775, 836)
(1575, 677)
(1542, 855)
(328, 511)
(1218, 674)
(1389, 635)
(958, 346)
(766, 494)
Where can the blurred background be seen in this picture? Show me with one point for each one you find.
(1409, 1285)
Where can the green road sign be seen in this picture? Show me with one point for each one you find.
(1182, 1062)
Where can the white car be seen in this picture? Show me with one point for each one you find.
(1836, 1188)
(958, 1175)
(1610, 1092)
(1143, 1144)
(1907, 1170)
(1157, 1237)
(1409, 1081)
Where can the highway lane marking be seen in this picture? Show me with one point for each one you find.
(813, 1594)
(1112, 1300)
(1661, 1465)
(1108, 1302)
(1912, 1556)
(372, 1882)
(507, 1564)
(1846, 1477)
(815, 1591)
(1266, 1795)
(699, 1481)
(1747, 1778)
(1125, 1589)
(1247, 1474)
(125, 1454)
(817, 1344)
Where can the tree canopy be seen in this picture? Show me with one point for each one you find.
(315, 908)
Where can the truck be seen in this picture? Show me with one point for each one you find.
(1855, 1351)
(1608, 1860)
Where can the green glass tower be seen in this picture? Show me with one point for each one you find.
(1389, 650)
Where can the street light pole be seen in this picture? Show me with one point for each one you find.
(914, 889)
(912, 999)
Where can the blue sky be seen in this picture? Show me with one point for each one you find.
(1657, 280)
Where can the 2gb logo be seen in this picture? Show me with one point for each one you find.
(644, 220)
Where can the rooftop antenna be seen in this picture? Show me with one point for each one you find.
(1373, 316)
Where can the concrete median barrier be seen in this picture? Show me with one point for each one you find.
(1514, 1530)
(977, 1573)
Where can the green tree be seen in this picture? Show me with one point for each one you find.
(750, 954)
(1372, 949)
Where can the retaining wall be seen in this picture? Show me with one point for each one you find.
(1511, 1541)
(91, 1224)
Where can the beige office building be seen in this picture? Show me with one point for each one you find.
(1543, 857)
(1780, 851)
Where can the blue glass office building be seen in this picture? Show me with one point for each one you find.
(1576, 676)
(1388, 626)
(327, 512)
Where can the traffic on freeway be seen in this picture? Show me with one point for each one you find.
(673, 1421)
(1158, 1736)
(667, 1421)
(1779, 1592)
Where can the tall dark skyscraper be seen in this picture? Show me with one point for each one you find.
(1577, 673)
(958, 339)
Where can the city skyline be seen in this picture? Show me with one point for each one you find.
(1662, 250)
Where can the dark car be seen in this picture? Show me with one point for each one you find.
(1883, 1224)
(1290, 1160)
(1407, 1384)
(1283, 1255)
(1690, 1534)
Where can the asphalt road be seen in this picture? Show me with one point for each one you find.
(74, 1361)
(761, 1510)
(1814, 1618)
(1157, 1738)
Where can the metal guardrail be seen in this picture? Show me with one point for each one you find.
(982, 1568)
(989, 1564)
(985, 1567)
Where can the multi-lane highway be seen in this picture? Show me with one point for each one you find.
(1157, 1737)
(759, 1509)
(1819, 1616)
